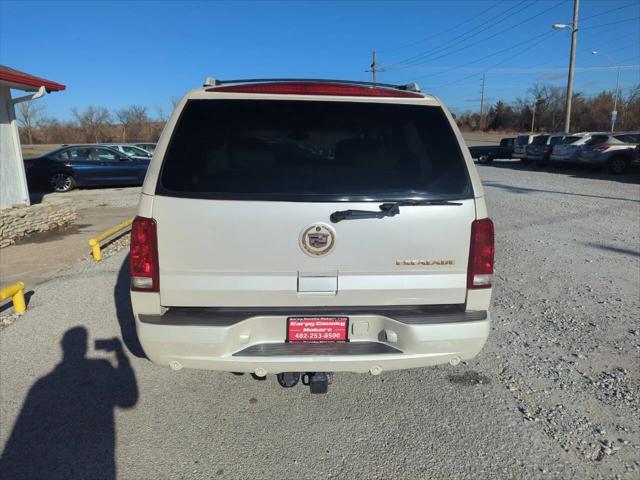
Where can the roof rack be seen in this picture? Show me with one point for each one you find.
(212, 82)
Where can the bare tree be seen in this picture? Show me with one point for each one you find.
(29, 114)
(162, 118)
(134, 120)
(174, 102)
(92, 121)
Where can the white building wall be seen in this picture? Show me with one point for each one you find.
(13, 181)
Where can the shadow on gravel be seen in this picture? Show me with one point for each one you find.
(611, 248)
(632, 176)
(469, 378)
(124, 311)
(526, 190)
(66, 427)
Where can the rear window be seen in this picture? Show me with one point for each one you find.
(522, 140)
(597, 140)
(313, 151)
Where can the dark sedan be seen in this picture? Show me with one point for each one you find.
(84, 166)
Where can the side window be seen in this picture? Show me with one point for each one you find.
(555, 140)
(64, 156)
(597, 139)
(628, 138)
(130, 151)
(104, 155)
(79, 154)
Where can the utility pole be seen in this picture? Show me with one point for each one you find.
(533, 117)
(374, 66)
(481, 100)
(572, 59)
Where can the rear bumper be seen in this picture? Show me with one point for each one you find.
(390, 339)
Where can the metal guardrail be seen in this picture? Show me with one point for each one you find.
(16, 292)
(95, 242)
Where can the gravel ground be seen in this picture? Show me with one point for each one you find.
(554, 394)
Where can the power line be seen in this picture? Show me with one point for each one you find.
(611, 23)
(535, 37)
(499, 63)
(609, 11)
(468, 34)
(436, 35)
(498, 33)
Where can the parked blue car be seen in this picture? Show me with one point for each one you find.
(84, 166)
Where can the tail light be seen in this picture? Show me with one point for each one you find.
(600, 148)
(315, 88)
(481, 253)
(144, 256)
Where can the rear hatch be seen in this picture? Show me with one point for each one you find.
(247, 188)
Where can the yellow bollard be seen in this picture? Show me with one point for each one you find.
(95, 249)
(95, 242)
(16, 292)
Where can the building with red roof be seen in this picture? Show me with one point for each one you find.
(13, 182)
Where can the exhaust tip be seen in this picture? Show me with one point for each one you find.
(175, 365)
(453, 361)
(377, 370)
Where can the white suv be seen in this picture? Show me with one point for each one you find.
(307, 227)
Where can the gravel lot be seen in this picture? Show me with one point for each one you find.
(554, 394)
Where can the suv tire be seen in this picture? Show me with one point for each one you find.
(617, 165)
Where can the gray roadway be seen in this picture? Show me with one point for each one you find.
(86, 418)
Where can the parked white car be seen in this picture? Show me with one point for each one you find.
(130, 150)
(300, 228)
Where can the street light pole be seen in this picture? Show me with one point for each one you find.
(572, 59)
(614, 113)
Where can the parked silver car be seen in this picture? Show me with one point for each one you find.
(614, 150)
(568, 150)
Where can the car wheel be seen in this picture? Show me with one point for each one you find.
(61, 182)
(617, 165)
(484, 159)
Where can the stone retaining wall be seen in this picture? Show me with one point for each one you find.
(19, 222)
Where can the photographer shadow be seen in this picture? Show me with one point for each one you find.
(124, 312)
(66, 426)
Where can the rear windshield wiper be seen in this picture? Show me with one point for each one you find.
(387, 209)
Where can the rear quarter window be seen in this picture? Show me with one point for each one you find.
(313, 151)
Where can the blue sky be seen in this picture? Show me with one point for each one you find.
(121, 53)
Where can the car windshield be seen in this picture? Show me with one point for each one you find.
(522, 140)
(568, 140)
(313, 150)
(540, 140)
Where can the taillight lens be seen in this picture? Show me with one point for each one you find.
(144, 256)
(600, 148)
(481, 254)
(315, 88)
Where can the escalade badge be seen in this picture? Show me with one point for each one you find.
(317, 239)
